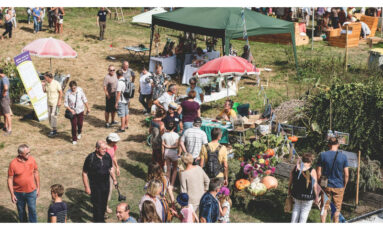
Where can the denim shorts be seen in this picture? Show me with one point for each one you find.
(123, 109)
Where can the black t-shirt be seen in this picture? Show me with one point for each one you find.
(98, 170)
(102, 15)
(59, 210)
(167, 119)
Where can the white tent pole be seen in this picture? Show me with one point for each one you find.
(312, 31)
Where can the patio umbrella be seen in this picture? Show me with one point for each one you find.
(50, 48)
(226, 66)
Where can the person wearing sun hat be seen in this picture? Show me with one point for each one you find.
(187, 212)
(111, 148)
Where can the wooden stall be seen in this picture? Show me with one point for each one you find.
(335, 38)
(282, 38)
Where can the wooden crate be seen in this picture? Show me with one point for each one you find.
(353, 37)
(372, 23)
(282, 38)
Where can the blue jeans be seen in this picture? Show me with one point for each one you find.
(187, 125)
(23, 199)
(36, 25)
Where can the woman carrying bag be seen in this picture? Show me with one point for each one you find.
(302, 188)
(75, 101)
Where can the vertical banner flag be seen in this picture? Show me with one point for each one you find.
(32, 84)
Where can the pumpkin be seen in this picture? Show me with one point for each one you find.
(270, 182)
(293, 138)
(241, 184)
(270, 152)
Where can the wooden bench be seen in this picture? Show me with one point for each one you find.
(337, 39)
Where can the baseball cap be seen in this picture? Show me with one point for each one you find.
(197, 120)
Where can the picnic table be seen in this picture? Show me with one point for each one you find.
(136, 51)
(209, 124)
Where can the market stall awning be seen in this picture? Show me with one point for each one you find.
(146, 17)
(223, 22)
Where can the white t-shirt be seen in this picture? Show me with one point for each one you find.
(166, 99)
(121, 88)
(198, 91)
(170, 138)
(145, 85)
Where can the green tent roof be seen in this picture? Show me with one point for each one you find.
(221, 22)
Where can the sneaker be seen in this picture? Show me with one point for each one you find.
(107, 125)
(114, 123)
(120, 130)
(79, 137)
(7, 133)
(74, 142)
(52, 133)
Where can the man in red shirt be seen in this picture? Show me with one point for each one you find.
(24, 183)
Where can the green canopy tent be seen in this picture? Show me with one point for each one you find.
(222, 22)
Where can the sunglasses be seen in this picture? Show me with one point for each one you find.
(112, 70)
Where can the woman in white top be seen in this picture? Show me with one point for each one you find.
(170, 152)
(75, 101)
(145, 90)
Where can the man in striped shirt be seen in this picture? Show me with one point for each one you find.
(193, 139)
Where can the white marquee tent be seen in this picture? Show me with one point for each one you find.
(146, 17)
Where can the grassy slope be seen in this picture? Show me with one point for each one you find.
(60, 162)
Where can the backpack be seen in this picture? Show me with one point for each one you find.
(129, 89)
(212, 166)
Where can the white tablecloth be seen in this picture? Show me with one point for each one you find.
(168, 64)
(220, 95)
(188, 73)
(211, 55)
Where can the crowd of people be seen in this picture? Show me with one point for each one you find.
(179, 147)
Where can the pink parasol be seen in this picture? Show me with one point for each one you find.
(50, 48)
(226, 66)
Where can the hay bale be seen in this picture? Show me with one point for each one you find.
(287, 111)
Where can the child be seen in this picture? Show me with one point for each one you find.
(58, 210)
(169, 151)
(224, 205)
(187, 212)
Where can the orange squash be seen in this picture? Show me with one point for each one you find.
(270, 152)
(268, 172)
(270, 182)
(241, 184)
(293, 138)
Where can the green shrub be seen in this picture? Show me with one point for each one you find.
(16, 85)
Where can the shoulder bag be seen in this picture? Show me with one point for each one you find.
(68, 113)
(323, 178)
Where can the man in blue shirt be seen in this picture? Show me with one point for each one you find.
(334, 165)
(37, 13)
(208, 205)
(122, 213)
(5, 102)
